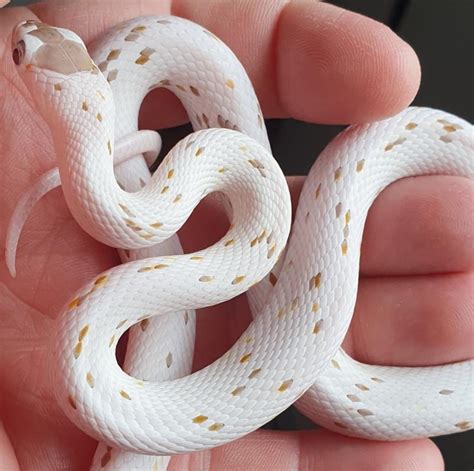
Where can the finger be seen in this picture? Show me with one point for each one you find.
(7, 454)
(308, 60)
(314, 450)
(413, 321)
(420, 225)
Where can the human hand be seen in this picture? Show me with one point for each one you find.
(318, 63)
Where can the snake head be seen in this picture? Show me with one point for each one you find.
(41, 48)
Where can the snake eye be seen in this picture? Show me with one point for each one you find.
(19, 53)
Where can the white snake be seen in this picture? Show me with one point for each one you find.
(302, 309)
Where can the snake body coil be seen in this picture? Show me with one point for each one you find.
(301, 312)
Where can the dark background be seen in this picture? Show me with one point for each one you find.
(441, 32)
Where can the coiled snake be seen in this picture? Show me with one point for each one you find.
(291, 350)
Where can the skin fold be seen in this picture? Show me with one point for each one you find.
(309, 61)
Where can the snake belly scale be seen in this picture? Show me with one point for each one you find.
(304, 310)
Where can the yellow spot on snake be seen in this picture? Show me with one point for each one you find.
(111, 341)
(90, 379)
(353, 398)
(199, 419)
(144, 324)
(121, 324)
(347, 217)
(83, 332)
(254, 373)
(160, 266)
(206, 278)
(77, 350)
(229, 242)
(194, 90)
(451, 127)
(139, 29)
(397, 142)
(317, 327)
(446, 392)
(145, 269)
(337, 174)
(271, 251)
(245, 358)
(230, 83)
(238, 390)
(170, 174)
(101, 280)
(74, 303)
(177, 198)
(72, 402)
(196, 257)
(215, 427)
(315, 307)
(125, 395)
(410, 126)
(360, 165)
(142, 60)
(318, 191)
(365, 412)
(315, 282)
(377, 380)
(344, 247)
(165, 189)
(99, 117)
(113, 54)
(126, 210)
(285, 385)
(156, 225)
(338, 209)
(464, 425)
(335, 364)
(238, 279)
(57, 87)
(362, 387)
(112, 75)
(109, 147)
(222, 170)
(131, 37)
(199, 151)
(169, 359)
(85, 106)
(294, 304)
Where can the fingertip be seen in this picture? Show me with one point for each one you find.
(336, 66)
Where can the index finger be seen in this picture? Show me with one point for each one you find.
(307, 60)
